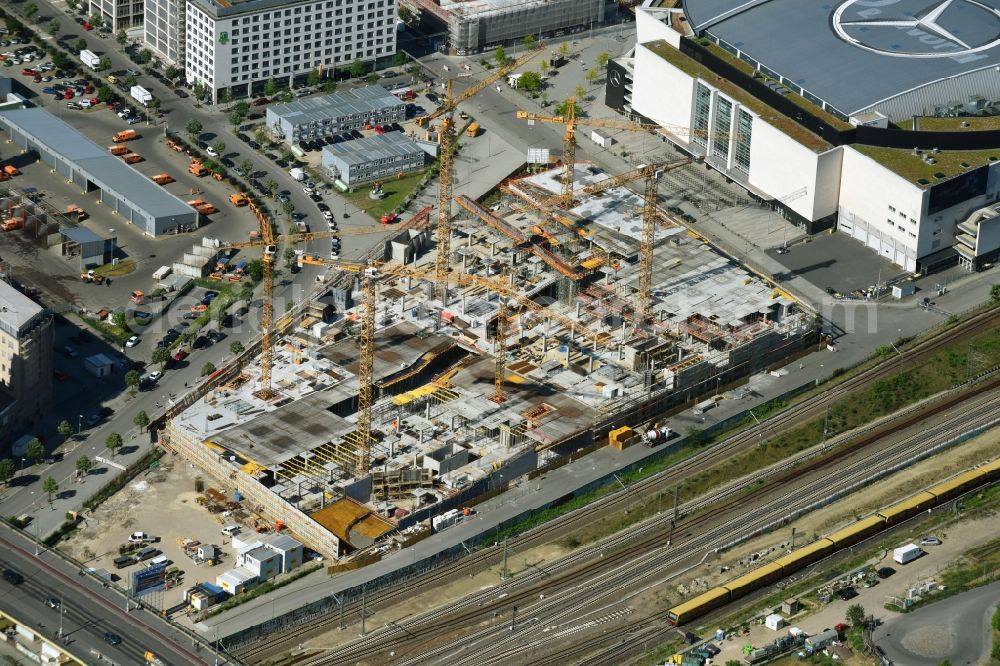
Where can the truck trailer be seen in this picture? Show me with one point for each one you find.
(90, 59)
(141, 95)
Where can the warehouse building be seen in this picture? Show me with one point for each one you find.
(316, 117)
(475, 25)
(240, 45)
(133, 196)
(373, 158)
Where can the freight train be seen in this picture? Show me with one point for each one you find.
(848, 536)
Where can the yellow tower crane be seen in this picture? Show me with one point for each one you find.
(571, 121)
(446, 137)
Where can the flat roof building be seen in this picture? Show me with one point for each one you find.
(241, 44)
(25, 363)
(373, 158)
(338, 112)
(133, 196)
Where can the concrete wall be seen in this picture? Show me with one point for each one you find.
(654, 24)
(780, 166)
(661, 92)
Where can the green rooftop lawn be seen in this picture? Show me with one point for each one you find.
(931, 124)
(948, 162)
(766, 112)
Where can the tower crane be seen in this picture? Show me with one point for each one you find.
(446, 137)
(571, 121)
(369, 273)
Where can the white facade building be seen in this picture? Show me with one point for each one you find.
(247, 43)
(163, 29)
(118, 14)
(901, 204)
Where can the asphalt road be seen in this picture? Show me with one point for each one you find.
(89, 611)
(956, 629)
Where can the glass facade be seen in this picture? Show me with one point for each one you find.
(702, 106)
(723, 126)
(744, 128)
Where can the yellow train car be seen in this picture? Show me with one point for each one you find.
(957, 485)
(754, 580)
(897, 513)
(803, 557)
(693, 608)
(991, 470)
(859, 531)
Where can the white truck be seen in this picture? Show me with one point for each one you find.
(89, 58)
(161, 272)
(906, 554)
(141, 95)
(141, 537)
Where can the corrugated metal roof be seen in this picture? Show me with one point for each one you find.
(16, 309)
(80, 235)
(379, 146)
(108, 172)
(336, 105)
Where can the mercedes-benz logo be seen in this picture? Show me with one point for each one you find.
(919, 28)
(615, 77)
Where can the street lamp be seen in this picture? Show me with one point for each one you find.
(79, 424)
(112, 232)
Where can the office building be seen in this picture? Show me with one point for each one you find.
(163, 30)
(25, 363)
(118, 14)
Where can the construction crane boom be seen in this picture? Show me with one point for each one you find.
(571, 121)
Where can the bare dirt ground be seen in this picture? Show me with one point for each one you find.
(161, 503)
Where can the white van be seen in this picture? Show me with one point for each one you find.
(230, 530)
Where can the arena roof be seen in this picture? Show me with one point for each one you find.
(853, 54)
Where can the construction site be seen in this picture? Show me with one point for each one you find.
(568, 313)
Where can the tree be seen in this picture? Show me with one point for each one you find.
(696, 437)
(97, 21)
(34, 451)
(579, 91)
(288, 207)
(329, 86)
(286, 95)
(113, 442)
(80, 44)
(270, 87)
(995, 293)
(119, 319)
(543, 66)
(530, 81)
(592, 75)
(287, 154)
(130, 81)
(122, 38)
(61, 60)
(399, 59)
(289, 255)
(246, 293)
(414, 71)
(236, 348)
(271, 185)
(245, 168)
(255, 269)
(50, 486)
(227, 96)
(54, 27)
(602, 59)
(171, 72)
(357, 69)
(84, 465)
(242, 108)
(564, 49)
(30, 9)
(500, 55)
(132, 378)
(528, 41)
(855, 615)
(199, 90)
(161, 356)
(144, 56)
(105, 94)
(207, 369)
(312, 78)
(260, 136)
(562, 108)
(7, 470)
(219, 146)
(104, 64)
(733, 662)
(64, 428)
(193, 127)
(12, 24)
(141, 420)
(405, 14)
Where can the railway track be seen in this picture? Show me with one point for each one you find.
(615, 502)
(645, 563)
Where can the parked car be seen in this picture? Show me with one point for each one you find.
(69, 351)
(930, 541)
(180, 355)
(885, 572)
(260, 101)
(215, 336)
(847, 593)
(12, 577)
(53, 602)
(112, 638)
(132, 341)
(59, 375)
(283, 197)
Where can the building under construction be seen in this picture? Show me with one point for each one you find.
(477, 25)
(536, 352)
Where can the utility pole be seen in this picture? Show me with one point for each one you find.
(513, 616)
(677, 509)
(340, 602)
(504, 572)
(60, 616)
(826, 422)
(793, 539)
(670, 533)
(216, 646)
